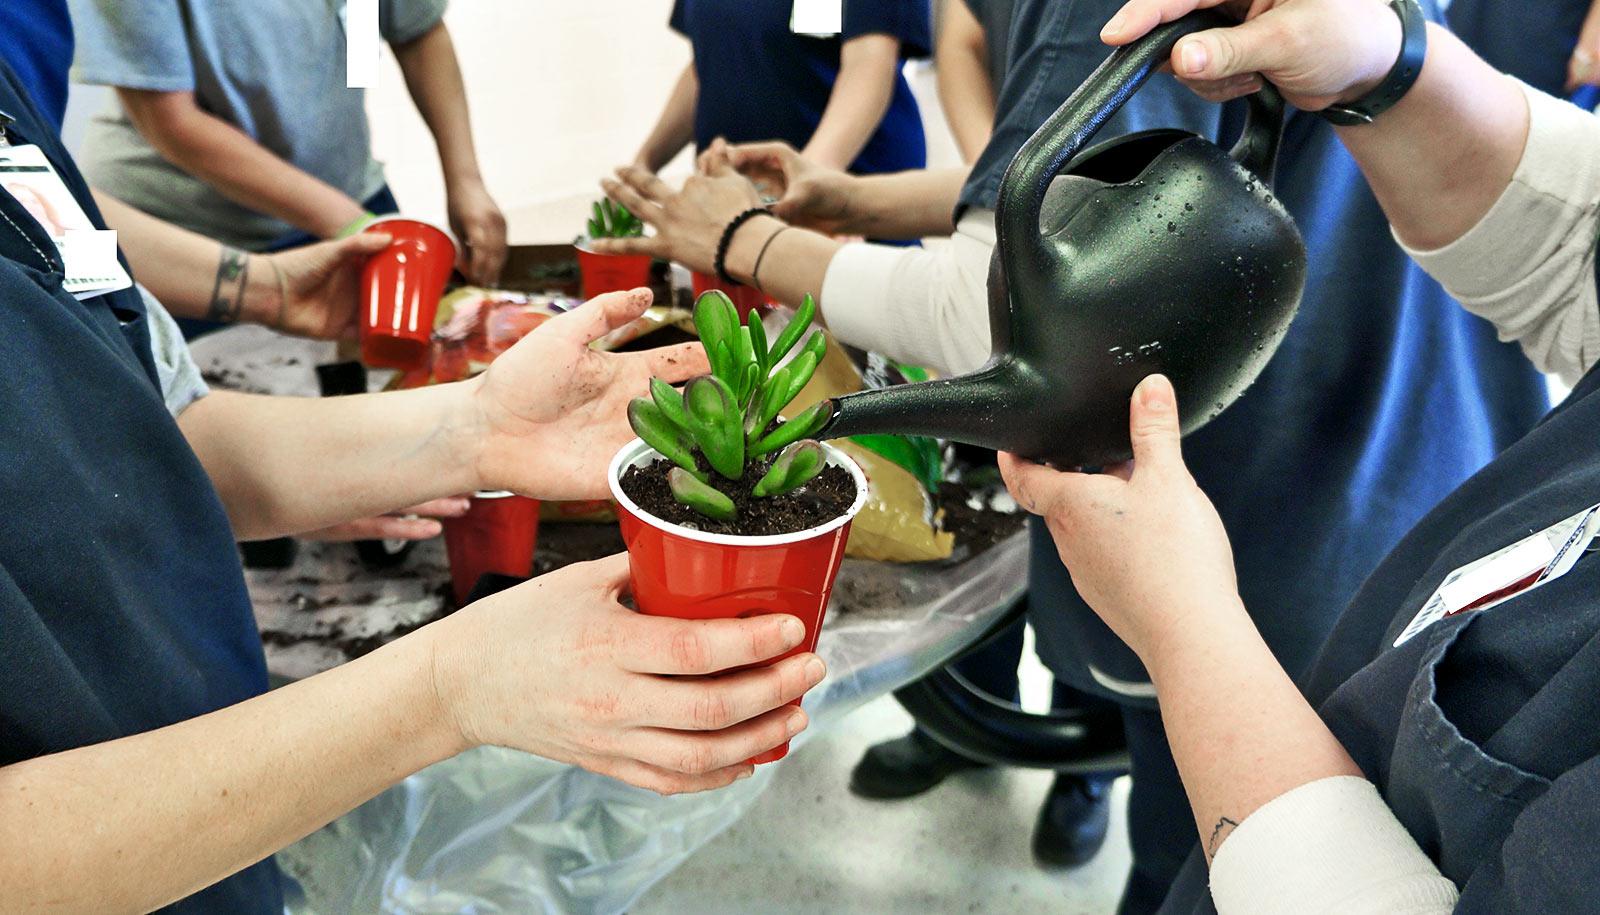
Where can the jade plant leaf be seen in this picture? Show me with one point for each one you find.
(798, 465)
(791, 333)
(702, 497)
(803, 426)
(650, 424)
(758, 342)
(670, 402)
(717, 424)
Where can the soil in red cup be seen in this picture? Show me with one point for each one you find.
(745, 298)
(497, 534)
(603, 273)
(400, 290)
(689, 574)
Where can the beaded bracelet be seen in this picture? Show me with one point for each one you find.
(721, 262)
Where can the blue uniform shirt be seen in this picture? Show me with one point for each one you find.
(761, 81)
(36, 40)
(122, 605)
(1383, 397)
(1530, 39)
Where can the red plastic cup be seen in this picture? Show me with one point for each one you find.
(744, 298)
(497, 534)
(400, 290)
(602, 273)
(694, 575)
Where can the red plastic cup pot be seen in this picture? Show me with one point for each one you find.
(603, 273)
(689, 574)
(745, 298)
(497, 534)
(400, 290)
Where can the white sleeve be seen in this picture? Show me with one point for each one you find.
(181, 384)
(922, 306)
(1329, 846)
(1528, 266)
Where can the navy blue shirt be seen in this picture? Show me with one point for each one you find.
(1479, 731)
(36, 40)
(1322, 465)
(122, 604)
(761, 81)
(1530, 39)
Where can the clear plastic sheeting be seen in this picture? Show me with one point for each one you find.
(494, 830)
(497, 831)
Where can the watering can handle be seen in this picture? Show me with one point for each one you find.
(1102, 95)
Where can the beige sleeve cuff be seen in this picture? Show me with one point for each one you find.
(1528, 266)
(1329, 846)
(922, 306)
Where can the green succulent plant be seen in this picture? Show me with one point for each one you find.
(729, 417)
(612, 220)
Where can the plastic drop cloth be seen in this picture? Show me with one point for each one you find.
(496, 831)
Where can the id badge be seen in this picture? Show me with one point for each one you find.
(817, 18)
(88, 254)
(1496, 578)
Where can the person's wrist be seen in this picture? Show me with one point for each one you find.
(440, 700)
(473, 434)
(1204, 622)
(263, 302)
(745, 246)
(1384, 42)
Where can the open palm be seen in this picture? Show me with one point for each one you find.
(555, 410)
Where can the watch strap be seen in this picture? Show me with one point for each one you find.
(1401, 77)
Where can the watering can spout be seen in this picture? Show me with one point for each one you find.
(972, 408)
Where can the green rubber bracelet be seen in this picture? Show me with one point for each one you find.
(361, 222)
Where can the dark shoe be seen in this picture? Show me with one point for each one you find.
(905, 767)
(1072, 824)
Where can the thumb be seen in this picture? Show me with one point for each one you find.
(364, 244)
(1255, 46)
(1153, 425)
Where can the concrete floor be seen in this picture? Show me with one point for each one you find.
(810, 847)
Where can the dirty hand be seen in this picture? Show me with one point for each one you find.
(321, 286)
(480, 231)
(1584, 67)
(551, 411)
(1318, 52)
(1143, 544)
(560, 668)
(689, 222)
(419, 522)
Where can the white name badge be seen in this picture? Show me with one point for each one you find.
(1507, 572)
(88, 254)
(817, 18)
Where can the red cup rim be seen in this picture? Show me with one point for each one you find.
(637, 452)
(397, 217)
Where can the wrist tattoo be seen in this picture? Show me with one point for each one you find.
(227, 293)
(1219, 832)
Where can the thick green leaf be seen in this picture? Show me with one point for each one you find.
(798, 465)
(670, 402)
(803, 426)
(791, 333)
(758, 341)
(717, 423)
(800, 372)
(744, 356)
(749, 386)
(773, 399)
(700, 496)
(658, 432)
(816, 345)
(722, 361)
(716, 321)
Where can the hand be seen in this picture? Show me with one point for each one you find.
(688, 223)
(1584, 67)
(419, 522)
(480, 229)
(553, 411)
(558, 667)
(1143, 544)
(320, 288)
(1318, 52)
(808, 193)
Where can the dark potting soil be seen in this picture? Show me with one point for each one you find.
(976, 529)
(826, 497)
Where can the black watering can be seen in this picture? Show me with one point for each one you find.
(1165, 254)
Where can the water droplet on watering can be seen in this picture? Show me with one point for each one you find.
(1188, 208)
(1172, 227)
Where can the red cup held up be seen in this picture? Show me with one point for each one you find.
(497, 534)
(400, 290)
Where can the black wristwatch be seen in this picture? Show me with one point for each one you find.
(1413, 48)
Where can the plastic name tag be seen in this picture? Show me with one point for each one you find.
(88, 255)
(818, 18)
(1507, 572)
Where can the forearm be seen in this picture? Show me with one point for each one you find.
(860, 97)
(286, 465)
(1440, 158)
(1240, 731)
(136, 823)
(675, 128)
(793, 266)
(965, 90)
(194, 276)
(238, 167)
(913, 204)
(433, 77)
